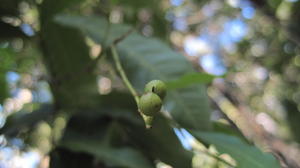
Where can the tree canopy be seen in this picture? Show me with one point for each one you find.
(226, 92)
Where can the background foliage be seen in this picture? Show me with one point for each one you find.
(231, 68)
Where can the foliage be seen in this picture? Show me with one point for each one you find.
(235, 148)
(83, 126)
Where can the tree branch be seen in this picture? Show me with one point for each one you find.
(147, 119)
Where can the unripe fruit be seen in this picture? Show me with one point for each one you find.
(158, 87)
(150, 104)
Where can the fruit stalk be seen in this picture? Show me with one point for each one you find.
(123, 75)
(147, 119)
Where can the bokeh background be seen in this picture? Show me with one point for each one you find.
(251, 48)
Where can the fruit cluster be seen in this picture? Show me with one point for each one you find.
(151, 102)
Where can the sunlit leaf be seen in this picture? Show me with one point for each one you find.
(190, 79)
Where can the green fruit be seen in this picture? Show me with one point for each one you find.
(158, 87)
(150, 104)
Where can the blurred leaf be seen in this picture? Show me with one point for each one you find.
(118, 117)
(96, 27)
(220, 127)
(40, 137)
(200, 2)
(160, 142)
(3, 88)
(135, 3)
(6, 59)
(116, 135)
(6, 63)
(116, 105)
(274, 3)
(63, 158)
(293, 117)
(49, 8)
(247, 156)
(190, 79)
(27, 59)
(126, 157)
(145, 59)
(67, 58)
(154, 8)
(8, 31)
(9, 7)
(97, 132)
(19, 121)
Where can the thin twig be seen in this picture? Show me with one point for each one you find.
(148, 119)
(122, 37)
(123, 75)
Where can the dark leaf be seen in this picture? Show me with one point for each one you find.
(67, 59)
(160, 142)
(8, 31)
(61, 157)
(125, 156)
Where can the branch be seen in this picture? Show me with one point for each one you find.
(123, 75)
(147, 119)
(122, 37)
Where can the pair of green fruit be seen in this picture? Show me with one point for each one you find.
(151, 102)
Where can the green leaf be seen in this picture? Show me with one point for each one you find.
(66, 56)
(136, 4)
(145, 59)
(7, 59)
(49, 8)
(247, 156)
(158, 143)
(3, 88)
(104, 141)
(126, 157)
(274, 4)
(161, 143)
(225, 128)
(95, 27)
(190, 79)
(7, 62)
